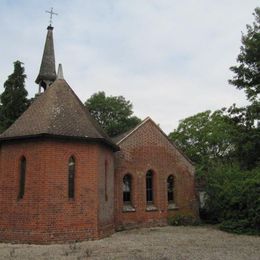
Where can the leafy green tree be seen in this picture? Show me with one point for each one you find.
(247, 72)
(14, 98)
(247, 77)
(205, 138)
(247, 139)
(113, 113)
(233, 198)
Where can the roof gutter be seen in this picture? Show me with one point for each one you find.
(103, 141)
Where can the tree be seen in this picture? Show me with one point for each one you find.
(247, 139)
(14, 98)
(247, 77)
(205, 138)
(113, 113)
(247, 73)
(233, 198)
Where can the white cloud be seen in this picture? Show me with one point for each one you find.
(170, 58)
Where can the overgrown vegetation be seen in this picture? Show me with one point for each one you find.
(183, 220)
(233, 198)
(225, 145)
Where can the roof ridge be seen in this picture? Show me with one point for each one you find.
(87, 113)
(158, 127)
(129, 132)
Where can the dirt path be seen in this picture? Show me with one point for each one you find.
(150, 243)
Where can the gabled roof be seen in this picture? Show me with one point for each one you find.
(120, 138)
(47, 69)
(57, 112)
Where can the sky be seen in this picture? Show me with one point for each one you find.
(170, 58)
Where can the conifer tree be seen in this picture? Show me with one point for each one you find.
(13, 101)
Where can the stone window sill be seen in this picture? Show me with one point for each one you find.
(172, 207)
(151, 208)
(128, 208)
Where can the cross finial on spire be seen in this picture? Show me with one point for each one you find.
(51, 14)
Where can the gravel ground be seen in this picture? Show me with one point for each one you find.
(169, 242)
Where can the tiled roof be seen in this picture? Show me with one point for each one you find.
(58, 112)
(47, 69)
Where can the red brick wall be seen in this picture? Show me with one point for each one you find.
(106, 193)
(45, 214)
(147, 148)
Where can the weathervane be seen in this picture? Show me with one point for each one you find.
(51, 14)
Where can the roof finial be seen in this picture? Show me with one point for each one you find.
(60, 72)
(51, 14)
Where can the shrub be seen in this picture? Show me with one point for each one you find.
(233, 199)
(239, 227)
(182, 220)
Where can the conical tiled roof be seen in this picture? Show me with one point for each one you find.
(47, 69)
(57, 112)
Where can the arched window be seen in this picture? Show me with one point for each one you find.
(149, 187)
(170, 189)
(22, 177)
(71, 177)
(127, 188)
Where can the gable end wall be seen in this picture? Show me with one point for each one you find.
(148, 148)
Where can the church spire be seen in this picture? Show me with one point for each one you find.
(47, 73)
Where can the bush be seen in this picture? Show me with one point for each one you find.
(239, 227)
(182, 220)
(234, 199)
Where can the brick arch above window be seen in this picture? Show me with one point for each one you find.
(71, 155)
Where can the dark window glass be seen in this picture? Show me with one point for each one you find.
(22, 178)
(170, 188)
(127, 183)
(71, 179)
(149, 187)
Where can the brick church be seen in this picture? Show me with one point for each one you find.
(62, 178)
